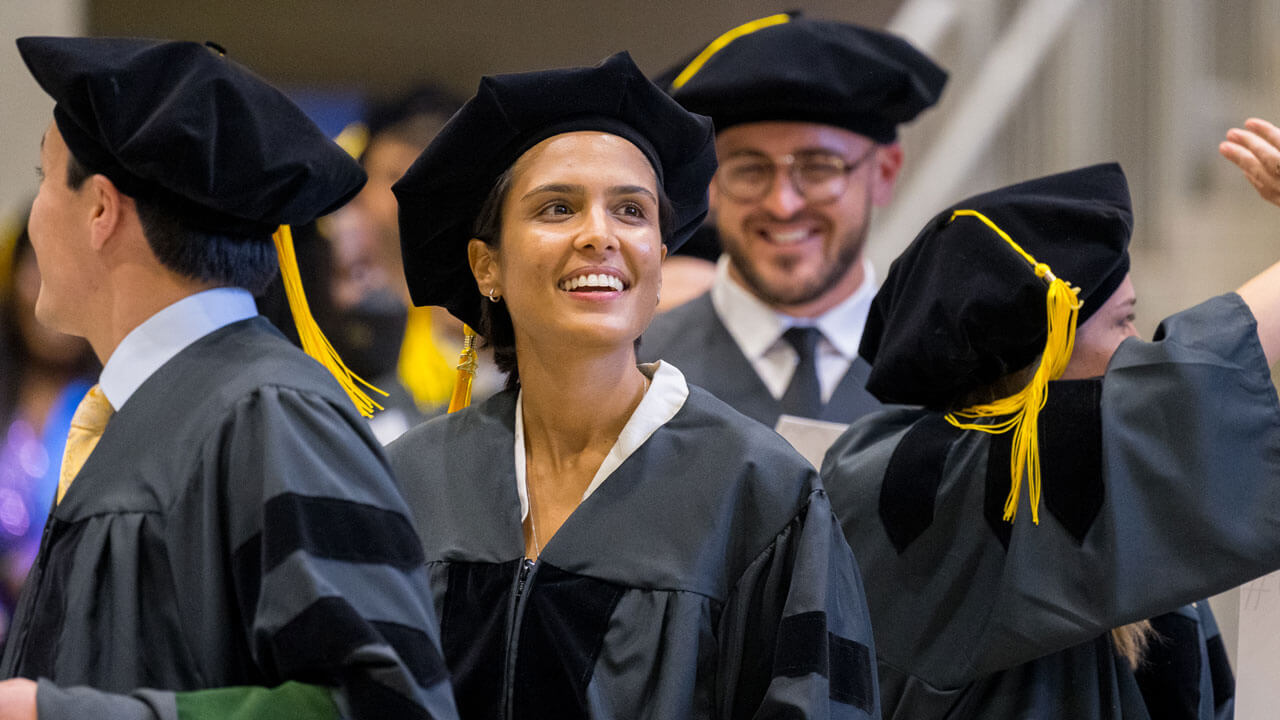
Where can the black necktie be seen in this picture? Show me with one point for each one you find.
(803, 396)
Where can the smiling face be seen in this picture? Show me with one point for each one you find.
(1099, 337)
(579, 258)
(801, 256)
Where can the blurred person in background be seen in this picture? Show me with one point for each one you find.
(43, 376)
(691, 271)
(409, 352)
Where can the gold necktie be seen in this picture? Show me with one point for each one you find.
(87, 425)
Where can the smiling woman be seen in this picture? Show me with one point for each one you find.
(608, 540)
(541, 211)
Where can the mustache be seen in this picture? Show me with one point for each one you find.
(802, 215)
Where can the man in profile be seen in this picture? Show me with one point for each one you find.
(227, 540)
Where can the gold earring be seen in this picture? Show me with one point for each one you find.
(492, 299)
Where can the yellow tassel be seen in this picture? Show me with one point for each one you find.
(313, 340)
(719, 44)
(8, 252)
(354, 138)
(423, 368)
(466, 371)
(1062, 305)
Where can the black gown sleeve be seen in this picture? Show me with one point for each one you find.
(1188, 506)
(796, 636)
(328, 575)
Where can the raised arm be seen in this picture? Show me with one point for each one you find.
(1256, 150)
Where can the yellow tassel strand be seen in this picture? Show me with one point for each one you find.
(423, 368)
(313, 340)
(466, 371)
(719, 44)
(8, 251)
(1062, 304)
(354, 138)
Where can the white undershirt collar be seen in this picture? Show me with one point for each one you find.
(153, 343)
(757, 329)
(666, 395)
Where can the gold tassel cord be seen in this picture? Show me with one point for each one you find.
(423, 367)
(354, 138)
(719, 44)
(1062, 305)
(314, 343)
(466, 371)
(8, 252)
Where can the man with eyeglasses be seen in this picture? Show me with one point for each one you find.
(806, 115)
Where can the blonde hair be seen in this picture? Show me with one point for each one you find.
(1131, 641)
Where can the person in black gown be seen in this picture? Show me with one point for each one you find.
(605, 540)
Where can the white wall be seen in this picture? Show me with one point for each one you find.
(24, 108)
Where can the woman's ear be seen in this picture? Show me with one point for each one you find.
(484, 266)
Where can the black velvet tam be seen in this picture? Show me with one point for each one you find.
(178, 123)
(441, 194)
(960, 308)
(806, 70)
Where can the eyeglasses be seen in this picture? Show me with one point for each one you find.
(818, 176)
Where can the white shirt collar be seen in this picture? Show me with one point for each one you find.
(843, 324)
(756, 326)
(666, 395)
(153, 343)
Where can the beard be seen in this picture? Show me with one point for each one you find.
(800, 290)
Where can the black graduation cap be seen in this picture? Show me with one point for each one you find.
(180, 124)
(788, 67)
(441, 194)
(961, 308)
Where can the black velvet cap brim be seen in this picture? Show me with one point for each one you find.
(441, 194)
(179, 124)
(960, 308)
(852, 77)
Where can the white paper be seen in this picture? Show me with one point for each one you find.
(812, 438)
(1258, 661)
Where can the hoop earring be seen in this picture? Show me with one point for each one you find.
(492, 299)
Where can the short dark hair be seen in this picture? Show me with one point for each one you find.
(413, 117)
(246, 261)
(495, 320)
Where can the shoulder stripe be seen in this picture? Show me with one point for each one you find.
(415, 648)
(1071, 453)
(912, 478)
(338, 530)
(320, 646)
(806, 646)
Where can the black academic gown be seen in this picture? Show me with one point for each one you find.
(693, 338)
(1161, 485)
(705, 578)
(236, 525)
